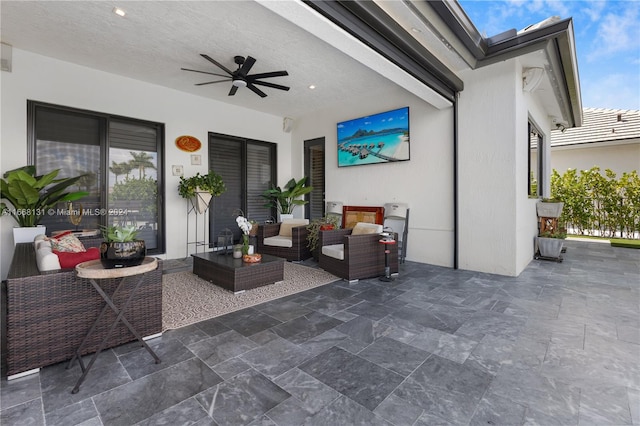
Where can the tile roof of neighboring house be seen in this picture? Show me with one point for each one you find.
(601, 125)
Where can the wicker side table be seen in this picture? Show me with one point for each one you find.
(93, 270)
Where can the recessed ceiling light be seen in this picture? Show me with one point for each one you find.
(312, 86)
(119, 11)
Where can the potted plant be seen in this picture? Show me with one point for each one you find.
(200, 188)
(31, 197)
(120, 247)
(315, 226)
(549, 207)
(550, 244)
(285, 200)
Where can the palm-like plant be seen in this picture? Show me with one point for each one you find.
(285, 200)
(141, 161)
(32, 196)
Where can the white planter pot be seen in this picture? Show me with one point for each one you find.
(550, 247)
(27, 234)
(282, 216)
(201, 201)
(549, 209)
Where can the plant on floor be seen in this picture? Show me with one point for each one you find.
(322, 224)
(32, 196)
(285, 200)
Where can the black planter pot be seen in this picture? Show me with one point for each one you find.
(122, 255)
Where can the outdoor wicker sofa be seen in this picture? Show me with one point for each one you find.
(48, 314)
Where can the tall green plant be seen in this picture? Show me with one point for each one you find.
(32, 196)
(285, 200)
(599, 203)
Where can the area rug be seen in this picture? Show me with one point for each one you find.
(187, 299)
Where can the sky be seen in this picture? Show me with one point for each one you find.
(607, 37)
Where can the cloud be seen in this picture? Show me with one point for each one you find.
(616, 33)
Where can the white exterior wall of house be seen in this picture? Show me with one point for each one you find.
(619, 157)
(40, 78)
(497, 220)
(425, 182)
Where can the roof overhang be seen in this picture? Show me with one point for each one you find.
(555, 39)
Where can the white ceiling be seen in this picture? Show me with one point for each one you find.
(156, 38)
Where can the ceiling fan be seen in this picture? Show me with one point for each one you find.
(241, 77)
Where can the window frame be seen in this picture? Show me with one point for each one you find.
(532, 131)
(105, 118)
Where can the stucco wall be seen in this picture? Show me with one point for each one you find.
(425, 182)
(497, 220)
(618, 158)
(44, 79)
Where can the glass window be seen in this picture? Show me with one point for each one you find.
(123, 153)
(535, 161)
(247, 168)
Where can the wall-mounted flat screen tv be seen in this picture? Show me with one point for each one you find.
(378, 138)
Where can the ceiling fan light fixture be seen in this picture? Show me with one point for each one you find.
(239, 83)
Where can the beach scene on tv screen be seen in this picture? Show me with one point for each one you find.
(378, 138)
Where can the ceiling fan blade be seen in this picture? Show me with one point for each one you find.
(248, 63)
(257, 91)
(267, 84)
(203, 72)
(213, 82)
(233, 90)
(267, 75)
(216, 63)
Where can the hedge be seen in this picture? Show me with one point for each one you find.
(597, 204)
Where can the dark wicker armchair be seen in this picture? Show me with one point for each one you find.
(363, 255)
(299, 250)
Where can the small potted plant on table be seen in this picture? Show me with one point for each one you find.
(120, 247)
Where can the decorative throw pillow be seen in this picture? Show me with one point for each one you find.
(286, 225)
(66, 242)
(363, 228)
(70, 260)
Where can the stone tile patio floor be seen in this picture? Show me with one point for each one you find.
(558, 345)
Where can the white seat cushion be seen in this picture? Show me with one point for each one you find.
(334, 250)
(278, 241)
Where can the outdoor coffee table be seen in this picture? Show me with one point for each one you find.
(236, 275)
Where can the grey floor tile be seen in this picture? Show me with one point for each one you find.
(344, 411)
(248, 321)
(27, 413)
(73, 414)
(395, 356)
(362, 381)
(187, 412)
(604, 405)
(140, 363)
(241, 400)
(450, 346)
(398, 411)
(497, 410)
(304, 328)
(276, 357)
(143, 398)
(222, 347)
(20, 390)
